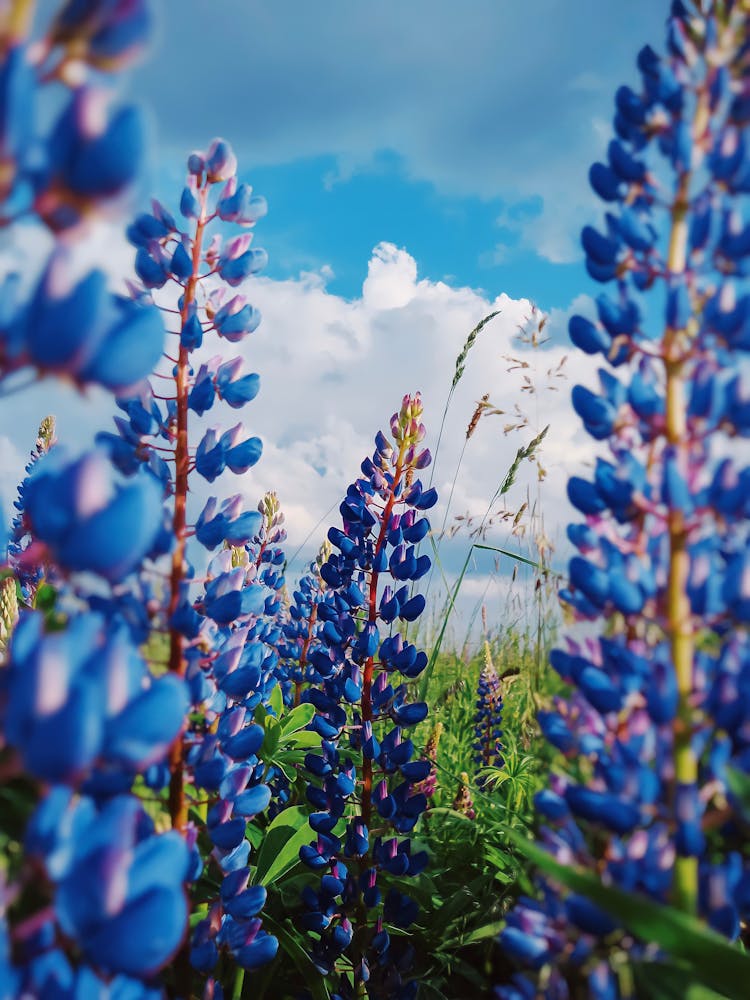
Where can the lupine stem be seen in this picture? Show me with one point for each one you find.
(177, 803)
(178, 806)
(19, 18)
(679, 618)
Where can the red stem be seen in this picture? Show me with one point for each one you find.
(371, 619)
(177, 804)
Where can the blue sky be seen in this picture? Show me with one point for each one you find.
(424, 164)
(462, 132)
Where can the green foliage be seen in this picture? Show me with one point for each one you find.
(282, 839)
(706, 957)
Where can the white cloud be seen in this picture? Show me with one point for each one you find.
(332, 372)
(11, 472)
(391, 281)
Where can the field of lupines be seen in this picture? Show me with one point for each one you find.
(221, 780)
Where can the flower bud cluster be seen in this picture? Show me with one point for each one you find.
(365, 811)
(657, 719)
(488, 750)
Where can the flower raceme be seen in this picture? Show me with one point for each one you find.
(80, 708)
(488, 717)
(353, 693)
(222, 634)
(657, 719)
(71, 325)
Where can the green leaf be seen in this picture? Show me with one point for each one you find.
(298, 718)
(254, 834)
(276, 701)
(45, 598)
(280, 849)
(427, 990)
(290, 944)
(711, 959)
(483, 933)
(521, 559)
(303, 740)
(271, 738)
(739, 786)
(452, 814)
(659, 981)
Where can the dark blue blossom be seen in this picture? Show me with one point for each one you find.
(350, 667)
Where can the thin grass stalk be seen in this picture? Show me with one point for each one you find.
(457, 375)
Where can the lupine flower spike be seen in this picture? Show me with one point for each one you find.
(222, 636)
(94, 904)
(658, 717)
(489, 707)
(462, 801)
(359, 709)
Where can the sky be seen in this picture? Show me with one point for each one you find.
(425, 163)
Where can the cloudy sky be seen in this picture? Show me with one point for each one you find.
(425, 163)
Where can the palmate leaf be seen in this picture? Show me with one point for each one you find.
(709, 959)
(297, 719)
(280, 850)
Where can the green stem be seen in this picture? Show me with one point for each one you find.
(680, 628)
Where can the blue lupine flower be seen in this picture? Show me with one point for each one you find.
(237, 204)
(108, 35)
(86, 520)
(90, 156)
(348, 667)
(233, 387)
(234, 319)
(80, 696)
(230, 524)
(77, 329)
(119, 888)
(662, 560)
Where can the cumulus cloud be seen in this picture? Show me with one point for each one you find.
(332, 372)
